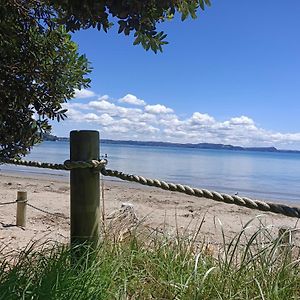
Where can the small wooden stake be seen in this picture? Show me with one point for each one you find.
(21, 208)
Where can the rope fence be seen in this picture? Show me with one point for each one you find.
(67, 165)
(203, 193)
(85, 168)
(34, 207)
(99, 165)
(47, 212)
(7, 203)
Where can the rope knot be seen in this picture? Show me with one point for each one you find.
(95, 164)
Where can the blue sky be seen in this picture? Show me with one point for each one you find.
(230, 76)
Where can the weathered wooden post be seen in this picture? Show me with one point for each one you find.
(85, 190)
(21, 208)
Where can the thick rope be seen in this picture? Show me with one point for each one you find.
(241, 201)
(30, 163)
(93, 164)
(68, 165)
(99, 165)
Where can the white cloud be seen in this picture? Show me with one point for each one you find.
(128, 112)
(242, 120)
(91, 117)
(83, 93)
(105, 119)
(117, 129)
(158, 122)
(102, 105)
(201, 119)
(74, 114)
(158, 109)
(145, 117)
(74, 105)
(131, 99)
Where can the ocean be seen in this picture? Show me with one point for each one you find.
(260, 175)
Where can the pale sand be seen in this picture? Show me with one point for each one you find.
(159, 209)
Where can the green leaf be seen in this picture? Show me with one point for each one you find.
(137, 41)
(122, 26)
(127, 31)
(201, 3)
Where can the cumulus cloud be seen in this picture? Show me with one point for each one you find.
(102, 105)
(105, 120)
(131, 99)
(83, 93)
(158, 109)
(201, 119)
(242, 120)
(91, 117)
(112, 109)
(158, 122)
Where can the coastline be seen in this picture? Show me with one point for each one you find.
(252, 174)
(159, 209)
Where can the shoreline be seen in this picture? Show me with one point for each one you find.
(63, 176)
(158, 209)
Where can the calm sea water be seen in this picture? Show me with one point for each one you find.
(261, 175)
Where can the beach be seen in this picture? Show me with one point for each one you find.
(160, 210)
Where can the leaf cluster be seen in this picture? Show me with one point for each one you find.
(40, 68)
(132, 16)
(40, 65)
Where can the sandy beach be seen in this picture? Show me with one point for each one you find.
(158, 209)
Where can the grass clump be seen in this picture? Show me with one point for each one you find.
(159, 268)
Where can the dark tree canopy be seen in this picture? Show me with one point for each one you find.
(40, 66)
(138, 16)
(39, 70)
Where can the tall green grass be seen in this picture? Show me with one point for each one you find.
(159, 267)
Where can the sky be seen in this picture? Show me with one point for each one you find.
(231, 76)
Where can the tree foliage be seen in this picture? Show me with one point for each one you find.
(138, 16)
(40, 68)
(40, 65)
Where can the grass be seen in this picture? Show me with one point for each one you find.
(159, 267)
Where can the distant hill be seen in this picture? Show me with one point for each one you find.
(198, 146)
(53, 138)
(49, 137)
